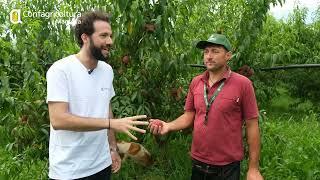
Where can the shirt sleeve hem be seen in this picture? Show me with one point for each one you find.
(56, 100)
(189, 110)
(251, 117)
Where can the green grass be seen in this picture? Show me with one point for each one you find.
(171, 161)
(290, 150)
(3, 136)
(20, 167)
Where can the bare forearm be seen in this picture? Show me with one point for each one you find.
(182, 122)
(62, 119)
(111, 134)
(253, 136)
(112, 139)
(67, 121)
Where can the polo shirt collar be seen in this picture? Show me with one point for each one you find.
(205, 75)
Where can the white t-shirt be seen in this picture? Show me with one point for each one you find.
(79, 154)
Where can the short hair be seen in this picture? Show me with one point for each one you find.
(85, 22)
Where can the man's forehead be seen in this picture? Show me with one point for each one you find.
(101, 26)
(213, 46)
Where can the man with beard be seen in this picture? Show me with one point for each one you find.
(218, 103)
(79, 89)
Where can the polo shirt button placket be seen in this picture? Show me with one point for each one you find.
(206, 117)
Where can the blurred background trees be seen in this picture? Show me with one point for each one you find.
(153, 43)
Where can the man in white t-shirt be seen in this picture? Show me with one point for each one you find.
(79, 89)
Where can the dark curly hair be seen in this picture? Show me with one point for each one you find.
(85, 24)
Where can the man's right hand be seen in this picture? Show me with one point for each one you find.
(128, 123)
(157, 127)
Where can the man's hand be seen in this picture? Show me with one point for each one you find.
(253, 138)
(254, 174)
(116, 161)
(128, 123)
(157, 126)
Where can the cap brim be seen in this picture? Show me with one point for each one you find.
(203, 44)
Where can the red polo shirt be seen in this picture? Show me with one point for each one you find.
(220, 141)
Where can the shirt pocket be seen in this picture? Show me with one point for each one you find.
(104, 94)
(228, 103)
(199, 103)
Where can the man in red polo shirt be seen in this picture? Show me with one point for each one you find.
(218, 103)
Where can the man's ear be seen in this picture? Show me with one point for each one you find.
(85, 38)
(229, 55)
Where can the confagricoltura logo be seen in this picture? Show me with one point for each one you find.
(17, 15)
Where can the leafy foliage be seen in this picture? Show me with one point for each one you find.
(284, 43)
(152, 46)
(153, 42)
(289, 147)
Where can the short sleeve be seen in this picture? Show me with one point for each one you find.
(189, 104)
(249, 103)
(112, 92)
(57, 85)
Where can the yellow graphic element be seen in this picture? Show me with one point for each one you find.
(15, 16)
(130, 28)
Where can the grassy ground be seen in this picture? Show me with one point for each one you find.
(290, 150)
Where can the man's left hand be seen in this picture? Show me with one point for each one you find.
(116, 161)
(254, 174)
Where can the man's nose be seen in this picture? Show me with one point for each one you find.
(109, 41)
(209, 56)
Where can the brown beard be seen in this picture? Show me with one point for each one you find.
(96, 52)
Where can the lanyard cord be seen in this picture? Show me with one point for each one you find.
(208, 104)
(215, 94)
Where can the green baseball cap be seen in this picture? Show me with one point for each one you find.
(219, 39)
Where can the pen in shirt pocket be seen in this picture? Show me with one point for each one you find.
(237, 99)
